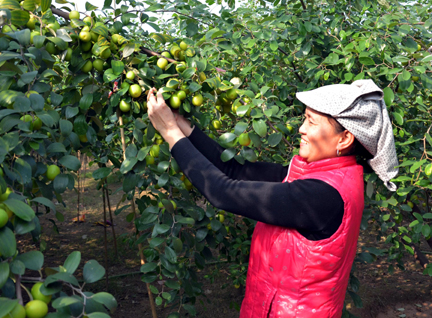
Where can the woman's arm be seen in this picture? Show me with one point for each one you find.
(311, 206)
(257, 171)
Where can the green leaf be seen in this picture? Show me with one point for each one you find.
(7, 242)
(101, 30)
(6, 305)
(117, 67)
(86, 101)
(274, 139)
(64, 301)
(388, 96)
(56, 147)
(101, 173)
(70, 162)
(228, 154)
(45, 202)
(366, 60)
(93, 271)
(32, 260)
(127, 165)
(148, 267)
(24, 171)
(4, 274)
(398, 117)
(90, 7)
(260, 127)
(72, 262)
(65, 127)
(45, 5)
(98, 315)
(105, 299)
(128, 50)
(20, 209)
(21, 17)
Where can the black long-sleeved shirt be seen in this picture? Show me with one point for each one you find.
(255, 190)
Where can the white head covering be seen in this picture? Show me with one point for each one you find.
(360, 109)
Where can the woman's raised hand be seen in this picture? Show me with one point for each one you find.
(183, 123)
(162, 117)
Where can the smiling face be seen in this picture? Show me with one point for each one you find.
(320, 139)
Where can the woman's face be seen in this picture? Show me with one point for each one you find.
(319, 139)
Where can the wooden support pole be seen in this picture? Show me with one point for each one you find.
(111, 219)
(105, 239)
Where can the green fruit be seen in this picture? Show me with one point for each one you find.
(124, 106)
(290, 128)
(197, 100)
(86, 29)
(162, 63)
(98, 65)
(4, 196)
(216, 124)
(149, 160)
(32, 35)
(130, 75)
(415, 78)
(31, 24)
(68, 55)
(52, 172)
(88, 66)
(55, 26)
(173, 83)
(175, 50)
(36, 309)
(175, 101)
(83, 138)
(183, 45)
(3, 218)
(166, 54)
(86, 46)
(177, 245)
(181, 94)
(135, 90)
(37, 294)
(105, 54)
(85, 36)
(51, 48)
(17, 312)
(202, 76)
(180, 67)
(244, 139)
(37, 123)
(125, 85)
(154, 151)
(74, 15)
(94, 36)
(231, 94)
(115, 38)
(88, 20)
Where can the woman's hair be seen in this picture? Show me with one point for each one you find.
(357, 148)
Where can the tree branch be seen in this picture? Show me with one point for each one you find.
(283, 138)
(293, 64)
(174, 11)
(303, 4)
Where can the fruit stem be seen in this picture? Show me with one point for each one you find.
(28, 293)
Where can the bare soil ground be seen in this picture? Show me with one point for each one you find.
(402, 294)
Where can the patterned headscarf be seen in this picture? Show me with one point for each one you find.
(360, 108)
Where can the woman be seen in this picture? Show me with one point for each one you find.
(309, 214)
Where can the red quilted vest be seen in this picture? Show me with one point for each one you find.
(291, 276)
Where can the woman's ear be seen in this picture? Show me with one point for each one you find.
(346, 142)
